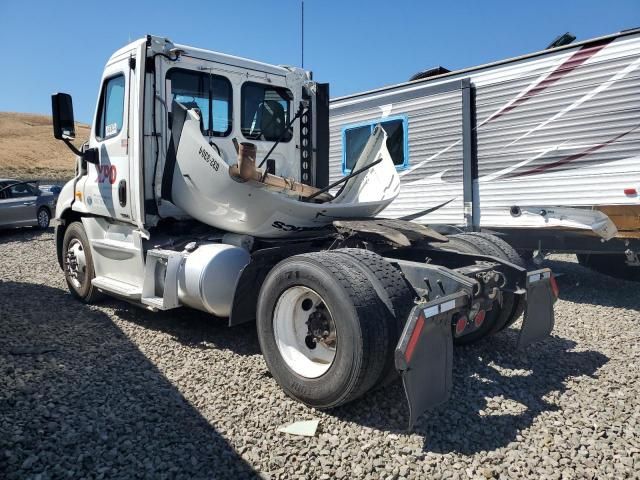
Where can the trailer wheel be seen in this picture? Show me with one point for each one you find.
(613, 265)
(392, 290)
(77, 264)
(518, 302)
(322, 329)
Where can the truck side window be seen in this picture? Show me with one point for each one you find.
(210, 94)
(265, 112)
(354, 139)
(111, 110)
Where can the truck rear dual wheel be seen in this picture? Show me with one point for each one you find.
(394, 292)
(323, 329)
(500, 316)
(519, 302)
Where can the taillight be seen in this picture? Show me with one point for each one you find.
(479, 318)
(461, 324)
(415, 335)
(630, 191)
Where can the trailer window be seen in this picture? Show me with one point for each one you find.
(111, 109)
(210, 94)
(265, 112)
(354, 139)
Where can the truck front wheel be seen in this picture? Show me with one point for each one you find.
(322, 329)
(77, 264)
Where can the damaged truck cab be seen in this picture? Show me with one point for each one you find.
(204, 184)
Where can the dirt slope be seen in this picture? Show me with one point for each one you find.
(28, 149)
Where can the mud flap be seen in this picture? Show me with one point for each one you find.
(424, 354)
(538, 316)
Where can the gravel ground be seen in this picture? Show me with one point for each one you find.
(113, 391)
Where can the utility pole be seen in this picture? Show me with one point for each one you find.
(302, 33)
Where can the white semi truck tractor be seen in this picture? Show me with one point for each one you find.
(204, 184)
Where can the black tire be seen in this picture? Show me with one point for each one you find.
(393, 292)
(85, 291)
(613, 265)
(509, 253)
(518, 302)
(43, 217)
(526, 255)
(461, 246)
(360, 323)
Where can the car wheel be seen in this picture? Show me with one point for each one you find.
(43, 218)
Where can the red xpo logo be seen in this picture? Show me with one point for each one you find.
(107, 173)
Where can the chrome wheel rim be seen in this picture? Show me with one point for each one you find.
(76, 263)
(305, 332)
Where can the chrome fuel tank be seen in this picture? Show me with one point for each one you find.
(208, 277)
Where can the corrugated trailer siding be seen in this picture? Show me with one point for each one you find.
(434, 123)
(593, 147)
(532, 152)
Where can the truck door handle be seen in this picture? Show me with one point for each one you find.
(122, 192)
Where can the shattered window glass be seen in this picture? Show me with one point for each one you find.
(355, 138)
(265, 112)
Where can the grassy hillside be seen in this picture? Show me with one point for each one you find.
(28, 149)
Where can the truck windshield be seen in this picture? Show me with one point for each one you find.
(211, 94)
(265, 112)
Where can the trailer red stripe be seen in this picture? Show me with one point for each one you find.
(570, 64)
(415, 335)
(571, 158)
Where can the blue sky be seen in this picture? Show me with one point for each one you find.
(355, 45)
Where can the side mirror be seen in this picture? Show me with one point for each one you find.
(62, 113)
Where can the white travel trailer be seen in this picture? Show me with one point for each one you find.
(542, 149)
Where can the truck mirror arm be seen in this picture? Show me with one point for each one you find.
(89, 155)
(72, 147)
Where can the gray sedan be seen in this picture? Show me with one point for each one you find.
(23, 204)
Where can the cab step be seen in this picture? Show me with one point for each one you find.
(116, 287)
(160, 284)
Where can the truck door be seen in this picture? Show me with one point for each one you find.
(107, 187)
